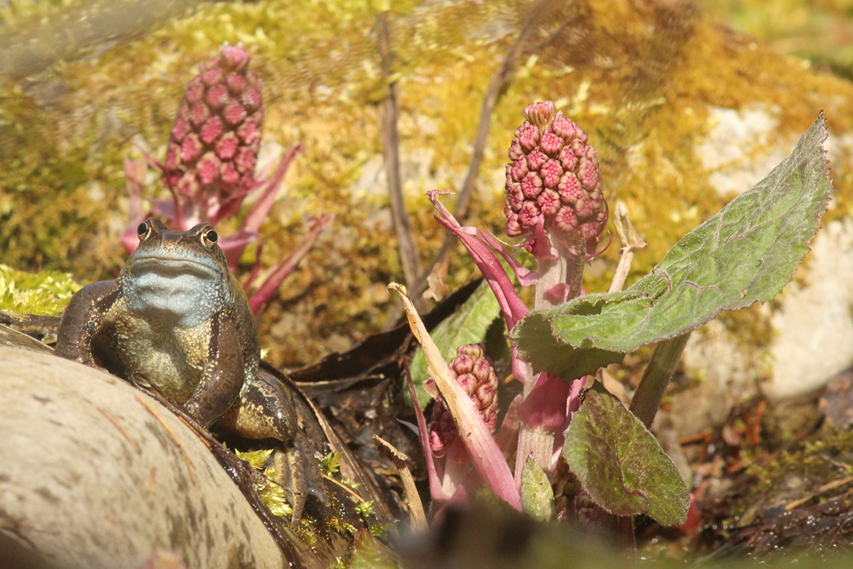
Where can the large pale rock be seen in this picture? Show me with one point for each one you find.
(95, 474)
(814, 324)
(740, 148)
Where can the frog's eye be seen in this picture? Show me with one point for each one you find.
(210, 237)
(143, 230)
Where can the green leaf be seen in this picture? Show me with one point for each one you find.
(620, 463)
(537, 496)
(468, 325)
(746, 253)
(370, 553)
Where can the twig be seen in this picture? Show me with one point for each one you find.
(835, 484)
(630, 240)
(400, 460)
(412, 268)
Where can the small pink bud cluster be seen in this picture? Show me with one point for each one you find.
(474, 372)
(214, 143)
(553, 178)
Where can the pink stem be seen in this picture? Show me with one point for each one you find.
(286, 267)
(546, 400)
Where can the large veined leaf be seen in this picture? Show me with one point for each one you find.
(620, 463)
(745, 253)
(468, 325)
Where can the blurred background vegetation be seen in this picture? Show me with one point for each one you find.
(820, 31)
(83, 83)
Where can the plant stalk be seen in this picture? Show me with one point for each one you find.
(567, 269)
(656, 377)
(391, 148)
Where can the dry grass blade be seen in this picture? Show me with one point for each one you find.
(484, 451)
(416, 508)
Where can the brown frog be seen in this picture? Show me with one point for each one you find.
(176, 320)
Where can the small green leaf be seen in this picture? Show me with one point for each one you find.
(745, 253)
(370, 553)
(620, 463)
(468, 325)
(537, 496)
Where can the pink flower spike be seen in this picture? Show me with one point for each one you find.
(486, 260)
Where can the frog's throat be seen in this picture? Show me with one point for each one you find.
(175, 291)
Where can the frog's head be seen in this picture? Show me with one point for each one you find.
(177, 278)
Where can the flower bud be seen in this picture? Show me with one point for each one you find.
(559, 178)
(217, 134)
(475, 374)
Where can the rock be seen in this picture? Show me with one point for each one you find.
(811, 323)
(96, 474)
(814, 326)
(837, 401)
(737, 151)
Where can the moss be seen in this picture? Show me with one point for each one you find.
(639, 80)
(795, 473)
(45, 293)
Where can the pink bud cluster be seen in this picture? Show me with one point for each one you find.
(553, 178)
(214, 143)
(474, 372)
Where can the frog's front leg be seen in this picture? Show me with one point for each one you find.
(267, 410)
(83, 319)
(223, 375)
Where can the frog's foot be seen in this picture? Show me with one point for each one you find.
(268, 410)
(299, 476)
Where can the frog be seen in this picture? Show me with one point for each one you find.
(177, 321)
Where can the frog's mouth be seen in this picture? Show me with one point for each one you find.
(172, 268)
